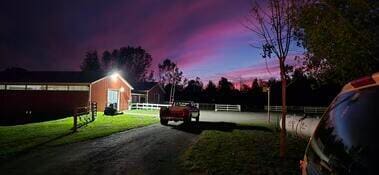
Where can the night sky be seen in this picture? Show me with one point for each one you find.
(205, 38)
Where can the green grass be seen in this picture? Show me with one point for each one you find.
(254, 151)
(15, 139)
(141, 111)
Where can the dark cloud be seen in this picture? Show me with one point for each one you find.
(55, 34)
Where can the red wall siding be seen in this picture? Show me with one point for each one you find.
(153, 95)
(47, 105)
(99, 92)
(43, 104)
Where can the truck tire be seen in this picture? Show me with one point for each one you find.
(164, 122)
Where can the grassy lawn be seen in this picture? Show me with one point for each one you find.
(142, 111)
(245, 151)
(15, 139)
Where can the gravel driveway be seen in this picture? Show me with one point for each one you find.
(154, 149)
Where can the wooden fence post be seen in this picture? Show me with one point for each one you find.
(93, 110)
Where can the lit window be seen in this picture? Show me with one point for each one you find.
(16, 87)
(57, 87)
(36, 87)
(78, 88)
(2, 87)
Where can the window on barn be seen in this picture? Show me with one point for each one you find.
(57, 87)
(35, 87)
(78, 88)
(2, 87)
(16, 87)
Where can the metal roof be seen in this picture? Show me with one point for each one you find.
(48, 77)
(145, 86)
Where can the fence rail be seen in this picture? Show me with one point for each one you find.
(207, 106)
(148, 106)
(230, 107)
(84, 115)
(227, 107)
(305, 109)
(314, 110)
(274, 108)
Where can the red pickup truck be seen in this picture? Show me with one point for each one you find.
(179, 112)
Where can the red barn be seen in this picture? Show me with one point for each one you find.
(35, 96)
(148, 92)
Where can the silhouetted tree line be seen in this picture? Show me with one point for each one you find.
(302, 91)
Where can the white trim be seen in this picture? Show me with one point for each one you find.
(99, 80)
(90, 94)
(118, 98)
(44, 83)
(130, 86)
(119, 76)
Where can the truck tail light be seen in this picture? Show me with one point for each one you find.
(363, 82)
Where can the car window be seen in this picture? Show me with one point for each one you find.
(345, 140)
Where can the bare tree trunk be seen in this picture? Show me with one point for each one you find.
(283, 132)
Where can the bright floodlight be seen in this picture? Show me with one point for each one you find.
(114, 76)
(122, 89)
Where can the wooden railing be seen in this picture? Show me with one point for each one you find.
(84, 115)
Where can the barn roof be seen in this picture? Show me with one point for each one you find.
(48, 77)
(144, 86)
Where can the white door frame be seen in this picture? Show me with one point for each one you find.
(118, 97)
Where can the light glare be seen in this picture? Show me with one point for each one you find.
(114, 76)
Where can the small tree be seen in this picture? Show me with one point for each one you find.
(273, 25)
(168, 72)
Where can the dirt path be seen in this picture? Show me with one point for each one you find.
(153, 149)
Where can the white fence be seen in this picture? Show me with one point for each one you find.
(227, 107)
(236, 108)
(305, 109)
(148, 106)
(274, 108)
(314, 110)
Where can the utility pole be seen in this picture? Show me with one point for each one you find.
(172, 92)
(173, 86)
(268, 104)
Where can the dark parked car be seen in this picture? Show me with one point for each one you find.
(345, 141)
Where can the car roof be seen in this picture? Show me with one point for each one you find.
(362, 83)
